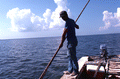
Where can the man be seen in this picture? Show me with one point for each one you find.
(69, 33)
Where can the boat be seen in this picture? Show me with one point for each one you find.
(96, 67)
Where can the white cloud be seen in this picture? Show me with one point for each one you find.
(24, 20)
(111, 20)
(20, 19)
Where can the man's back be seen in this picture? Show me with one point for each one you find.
(70, 25)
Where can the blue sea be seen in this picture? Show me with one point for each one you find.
(27, 58)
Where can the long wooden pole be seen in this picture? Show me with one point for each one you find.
(42, 75)
(82, 10)
(49, 64)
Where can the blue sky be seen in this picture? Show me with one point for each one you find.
(40, 18)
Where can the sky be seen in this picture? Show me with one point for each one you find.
(40, 18)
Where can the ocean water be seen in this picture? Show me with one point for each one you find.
(27, 58)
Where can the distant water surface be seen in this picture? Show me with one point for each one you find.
(27, 58)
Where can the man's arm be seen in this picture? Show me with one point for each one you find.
(63, 37)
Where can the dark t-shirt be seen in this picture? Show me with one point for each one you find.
(71, 35)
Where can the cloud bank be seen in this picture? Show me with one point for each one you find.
(111, 19)
(24, 20)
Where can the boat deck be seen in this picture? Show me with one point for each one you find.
(112, 66)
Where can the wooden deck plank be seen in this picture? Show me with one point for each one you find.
(114, 67)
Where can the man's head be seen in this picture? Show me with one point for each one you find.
(64, 15)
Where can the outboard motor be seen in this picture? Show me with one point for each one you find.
(103, 51)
